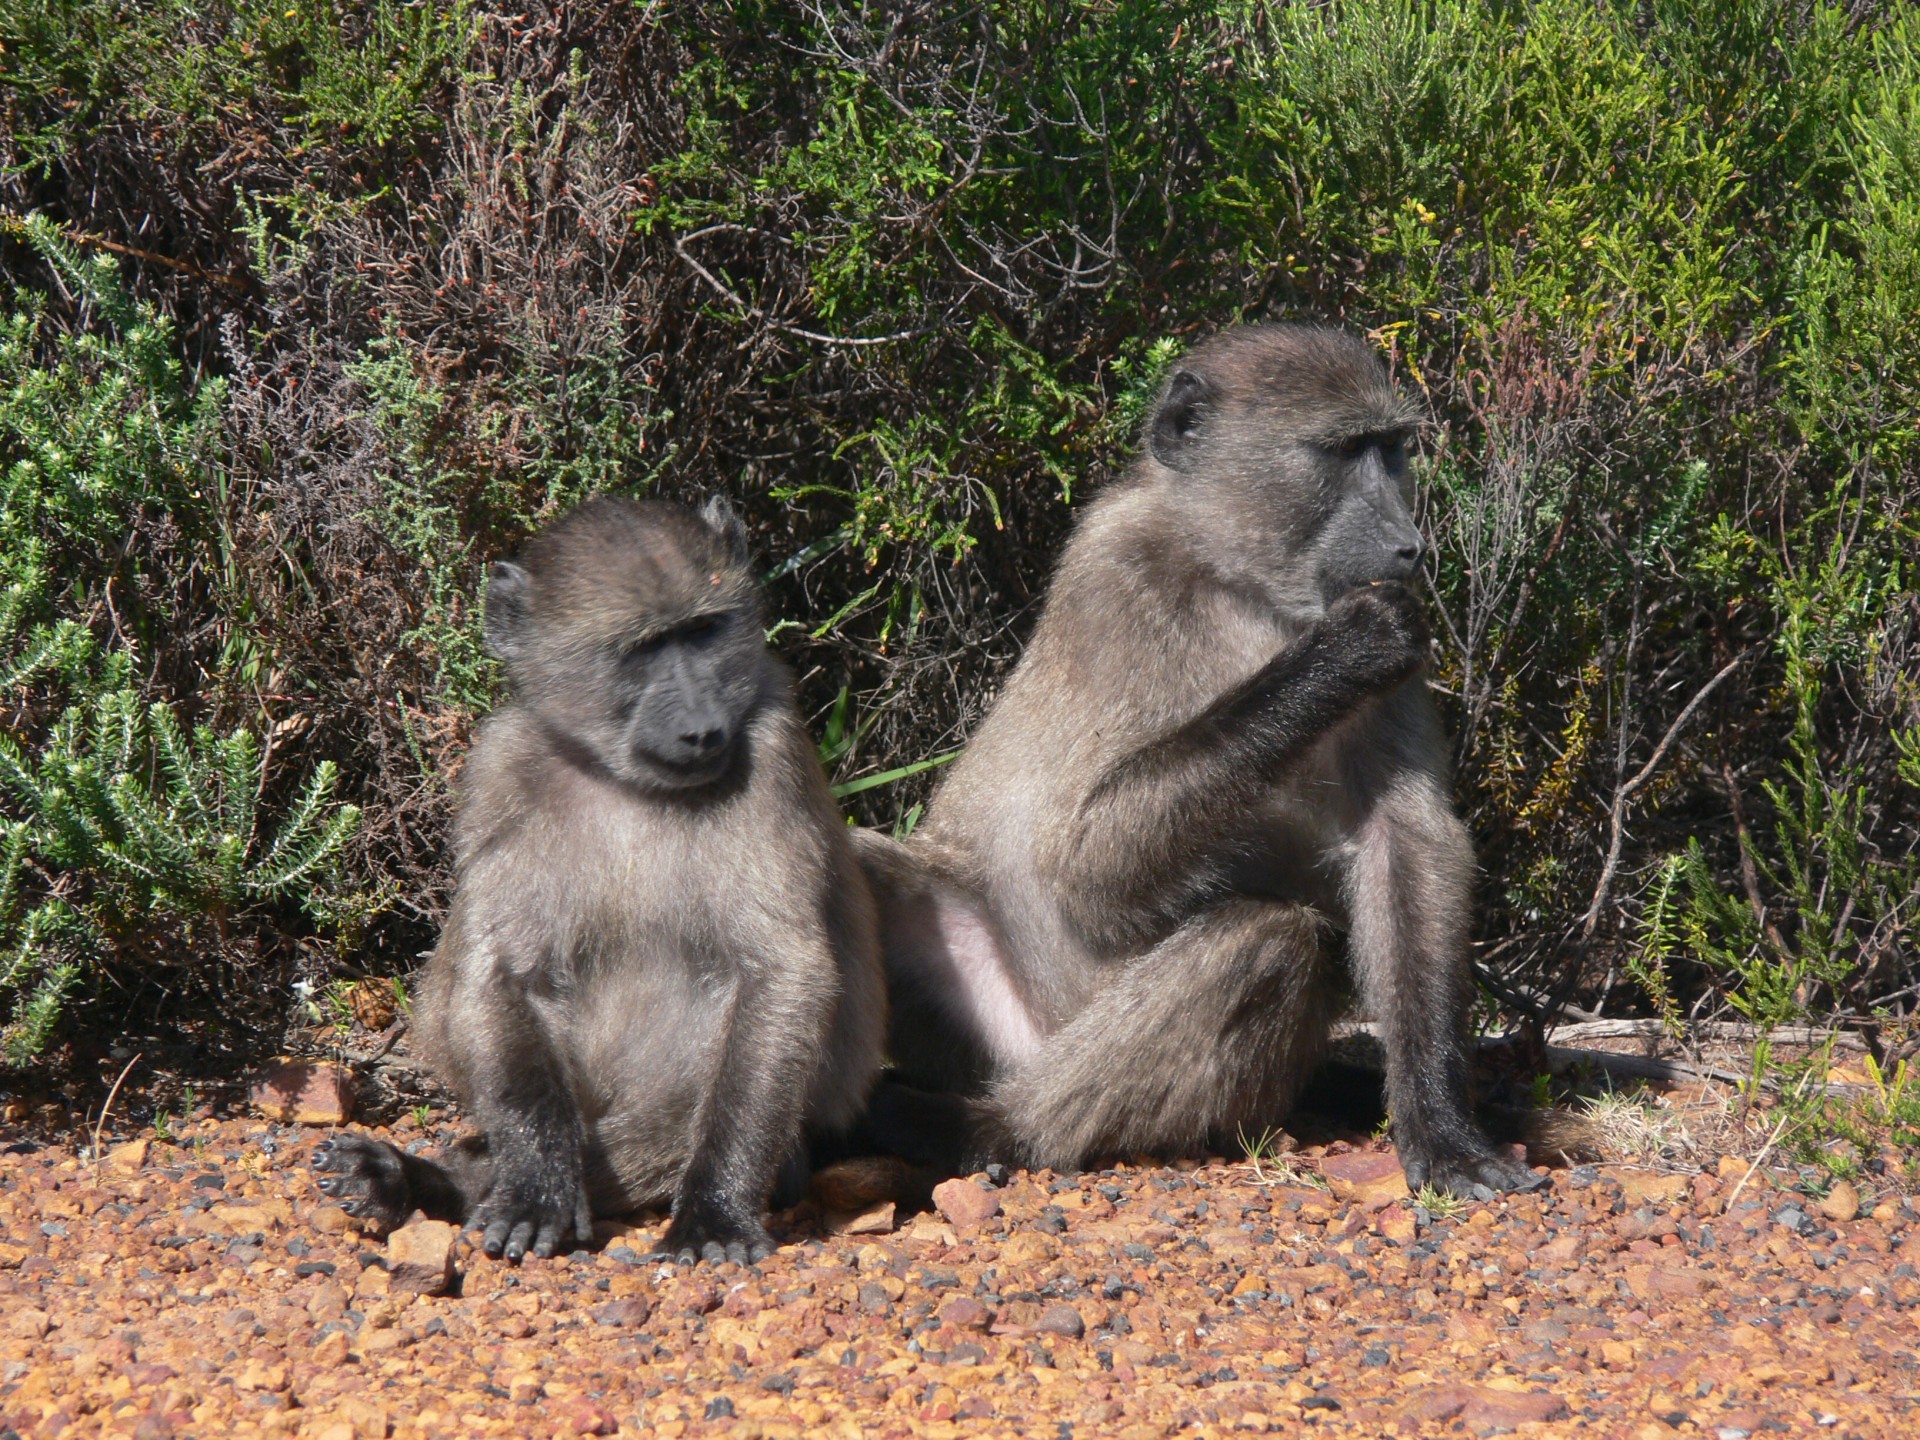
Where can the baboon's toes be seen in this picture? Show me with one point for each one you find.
(365, 1176)
(1472, 1176)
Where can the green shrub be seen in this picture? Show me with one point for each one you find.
(903, 280)
(123, 836)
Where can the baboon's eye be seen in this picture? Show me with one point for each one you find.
(701, 628)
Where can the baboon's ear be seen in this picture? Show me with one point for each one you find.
(1173, 434)
(723, 522)
(508, 609)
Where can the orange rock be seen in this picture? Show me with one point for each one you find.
(420, 1257)
(1366, 1178)
(1842, 1202)
(966, 1205)
(1395, 1223)
(332, 1349)
(1642, 1188)
(330, 1220)
(306, 1092)
(874, 1220)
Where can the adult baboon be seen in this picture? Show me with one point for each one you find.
(1214, 772)
(660, 963)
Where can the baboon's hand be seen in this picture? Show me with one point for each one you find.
(538, 1208)
(713, 1233)
(365, 1176)
(1473, 1176)
(1379, 632)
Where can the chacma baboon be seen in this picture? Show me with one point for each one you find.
(1214, 772)
(660, 965)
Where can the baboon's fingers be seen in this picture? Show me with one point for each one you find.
(517, 1241)
(494, 1238)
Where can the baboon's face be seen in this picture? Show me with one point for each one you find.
(1299, 439)
(1365, 530)
(640, 642)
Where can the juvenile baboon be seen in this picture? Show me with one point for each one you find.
(1214, 774)
(660, 965)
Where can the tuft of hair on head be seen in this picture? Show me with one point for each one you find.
(724, 521)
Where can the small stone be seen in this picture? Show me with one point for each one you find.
(1842, 1202)
(965, 1205)
(269, 1378)
(374, 1282)
(304, 1092)
(1792, 1217)
(129, 1157)
(329, 1220)
(525, 1387)
(1731, 1167)
(1061, 1320)
(584, 1417)
(874, 1220)
(420, 1257)
(1483, 1409)
(12, 1255)
(1366, 1178)
(629, 1313)
(1027, 1248)
(29, 1323)
(332, 1350)
(1396, 1223)
(966, 1313)
(1643, 1189)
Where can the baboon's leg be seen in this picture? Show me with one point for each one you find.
(1410, 885)
(957, 1015)
(746, 1126)
(380, 1182)
(1212, 1029)
(515, 1082)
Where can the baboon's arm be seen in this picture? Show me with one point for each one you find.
(1409, 894)
(518, 1089)
(1153, 832)
(747, 1121)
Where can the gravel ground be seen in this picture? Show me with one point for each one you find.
(201, 1286)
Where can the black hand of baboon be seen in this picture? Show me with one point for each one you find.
(366, 1176)
(1378, 632)
(538, 1209)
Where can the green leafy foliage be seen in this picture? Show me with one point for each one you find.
(123, 831)
(902, 279)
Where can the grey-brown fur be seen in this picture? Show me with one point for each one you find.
(1214, 774)
(660, 966)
